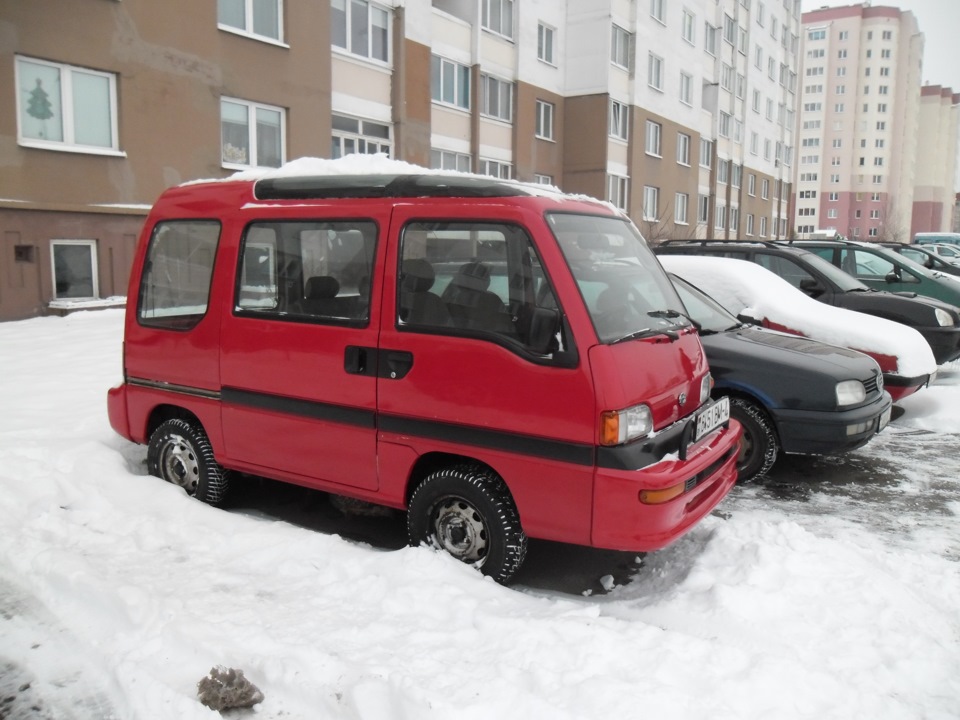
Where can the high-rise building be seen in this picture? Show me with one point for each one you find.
(859, 122)
(682, 114)
(934, 195)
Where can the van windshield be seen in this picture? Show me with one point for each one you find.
(626, 292)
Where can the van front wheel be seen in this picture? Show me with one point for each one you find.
(467, 511)
(180, 453)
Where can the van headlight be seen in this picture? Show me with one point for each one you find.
(944, 318)
(621, 426)
(850, 392)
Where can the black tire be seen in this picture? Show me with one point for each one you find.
(467, 511)
(759, 445)
(180, 453)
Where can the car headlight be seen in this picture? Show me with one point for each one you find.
(943, 317)
(706, 385)
(621, 426)
(850, 392)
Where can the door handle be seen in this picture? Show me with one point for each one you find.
(395, 364)
(360, 360)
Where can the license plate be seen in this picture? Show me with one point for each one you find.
(712, 417)
(884, 418)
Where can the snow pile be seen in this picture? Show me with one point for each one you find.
(117, 592)
(745, 287)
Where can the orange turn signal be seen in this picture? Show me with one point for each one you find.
(656, 497)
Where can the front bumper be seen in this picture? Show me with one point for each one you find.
(944, 342)
(829, 432)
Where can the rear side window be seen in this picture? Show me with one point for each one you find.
(175, 287)
(785, 268)
(307, 271)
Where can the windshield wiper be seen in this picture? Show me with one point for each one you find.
(647, 332)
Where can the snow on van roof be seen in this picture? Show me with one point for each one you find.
(381, 164)
(745, 287)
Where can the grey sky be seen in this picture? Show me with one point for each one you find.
(939, 21)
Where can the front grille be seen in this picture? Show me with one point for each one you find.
(874, 384)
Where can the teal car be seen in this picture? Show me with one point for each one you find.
(884, 269)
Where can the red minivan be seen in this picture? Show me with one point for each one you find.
(499, 360)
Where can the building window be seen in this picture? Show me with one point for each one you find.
(545, 36)
(74, 268)
(651, 201)
(734, 218)
(619, 119)
(66, 107)
(703, 208)
(496, 168)
(752, 185)
(655, 72)
(686, 88)
(542, 179)
(618, 190)
(765, 188)
(724, 126)
(620, 44)
(681, 203)
(363, 29)
(687, 28)
(544, 127)
(449, 160)
(720, 218)
(449, 82)
(729, 29)
(683, 148)
(723, 171)
(736, 175)
(652, 146)
(260, 18)
(656, 10)
(364, 137)
(496, 98)
(763, 226)
(706, 153)
(750, 224)
(497, 16)
(251, 134)
(710, 38)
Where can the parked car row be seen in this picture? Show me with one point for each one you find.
(800, 289)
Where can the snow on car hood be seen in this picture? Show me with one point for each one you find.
(744, 287)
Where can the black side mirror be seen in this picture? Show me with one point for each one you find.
(812, 287)
(748, 319)
(544, 326)
(892, 277)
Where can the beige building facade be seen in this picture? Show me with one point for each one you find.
(682, 114)
(934, 196)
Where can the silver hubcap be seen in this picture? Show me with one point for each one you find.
(179, 464)
(460, 531)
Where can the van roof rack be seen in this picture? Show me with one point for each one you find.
(712, 241)
(384, 186)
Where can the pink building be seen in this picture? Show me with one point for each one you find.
(934, 196)
(858, 122)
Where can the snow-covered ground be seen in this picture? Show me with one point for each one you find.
(118, 593)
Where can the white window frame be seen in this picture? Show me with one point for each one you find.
(247, 29)
(496, 168)
(688, 27)
(655, 66)
(621, 44)
(618, 191)
(703, 209)
(253, 159)
(651, 202)
(450, 160)
(366, 52)
(546, 43)
(619, 120)
(683, 149)
(544, 120)
(653, 138)
(686, 88)
(681, 206)
(459, 71)
(364, 141)
(94, 267)
(657, 12)
(66, 107)
(496, 16)
(706, 153)
(488, 84)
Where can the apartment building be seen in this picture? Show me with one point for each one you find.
(681, 113)
(934, 196)
(859, 122)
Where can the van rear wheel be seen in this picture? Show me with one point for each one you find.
(467, 511)
(180, 453)
(758, 446)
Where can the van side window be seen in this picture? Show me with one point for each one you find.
(307, 271)
(175, 287)
(476, 278)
